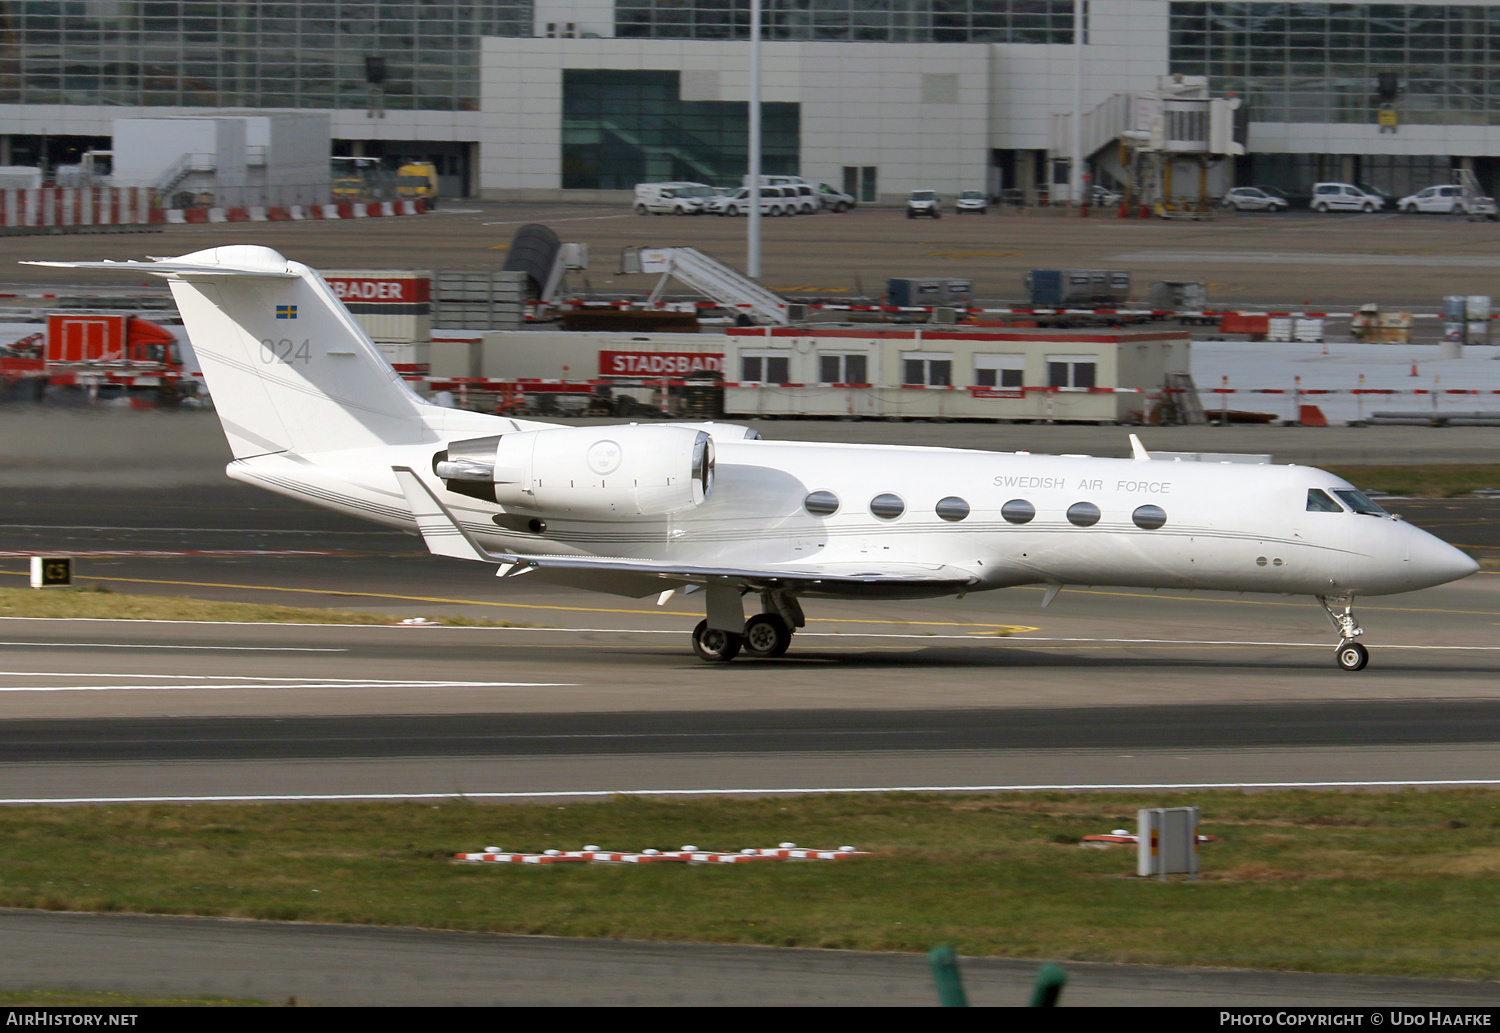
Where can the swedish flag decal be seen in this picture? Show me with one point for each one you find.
(286, 311)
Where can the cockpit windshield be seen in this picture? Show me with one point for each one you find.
(1357, 501)
(1319, 501)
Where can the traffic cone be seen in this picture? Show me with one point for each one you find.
(1414, 368)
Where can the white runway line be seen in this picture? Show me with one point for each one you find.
(224, 681)
(580, 218)
(553, 794)
(142, 645)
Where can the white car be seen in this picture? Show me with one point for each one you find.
(771, 203)
(1343, 197)
(1254, 199)
(835, 200)
(671, 198)
(1446, 198)
(923, 202)
(971, 201)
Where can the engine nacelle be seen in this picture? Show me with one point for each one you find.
(585, 471)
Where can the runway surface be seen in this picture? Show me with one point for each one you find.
(340, 965)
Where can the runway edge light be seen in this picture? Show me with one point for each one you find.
(51, 571)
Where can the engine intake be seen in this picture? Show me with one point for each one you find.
(585, 471)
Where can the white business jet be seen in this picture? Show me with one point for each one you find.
(313, 411)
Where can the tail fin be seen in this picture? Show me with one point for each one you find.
(288, 368)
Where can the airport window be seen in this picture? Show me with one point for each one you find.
(1340, 63)
(878, 21)
(622, 127)
(919, 368)
(952, 508)
(821, 503)
(887, 506)
(1149, 518)
(843, 369)
(1018, 511)
(1083, 514)
(1357, 501)
(1319, 502)
(1077, 371)
(765, 369)
(999, 370)
(233, 54)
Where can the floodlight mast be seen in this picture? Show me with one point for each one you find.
(1076, 178)
(752, 242)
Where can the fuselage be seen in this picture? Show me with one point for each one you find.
(1005, 518)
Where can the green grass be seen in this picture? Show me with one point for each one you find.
(1438, 480)
(1384, 883)
(96, 601)
(104, 999)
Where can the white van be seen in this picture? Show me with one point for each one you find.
(671, 198)
(1343, 197)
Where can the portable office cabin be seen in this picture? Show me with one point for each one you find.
(921, 373)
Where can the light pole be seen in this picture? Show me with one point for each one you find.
(752, 243)
(1076, 178)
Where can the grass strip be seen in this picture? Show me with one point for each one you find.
(105, 999)
(97, 601)
(1391, 883)
(1437, 480)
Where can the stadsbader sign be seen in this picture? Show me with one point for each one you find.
(658, 364)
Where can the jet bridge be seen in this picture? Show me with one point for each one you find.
(709, 277)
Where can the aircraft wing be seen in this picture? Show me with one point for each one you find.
(446, 537)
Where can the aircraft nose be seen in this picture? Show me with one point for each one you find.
(1435, 562)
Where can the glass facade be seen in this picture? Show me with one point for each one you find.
(1324, 63)
(621, 128)
(877, 21)
(238, 53)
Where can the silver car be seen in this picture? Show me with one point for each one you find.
(1253, 199)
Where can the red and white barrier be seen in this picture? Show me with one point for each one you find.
(687, 855)
(132, 206)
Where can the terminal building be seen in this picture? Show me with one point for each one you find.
(558, 99)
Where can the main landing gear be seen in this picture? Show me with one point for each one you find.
(1351, 656)
(765, 636)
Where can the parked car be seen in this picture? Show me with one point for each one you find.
(804, 196)
(671, 198)
(925, 203)
(1103, 197)
(1254, 199)
(771, 203)
(971, 201)
(1448, 197)
(833, 199)
(1343, 197)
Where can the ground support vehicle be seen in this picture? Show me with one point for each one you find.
(1343, 197)
(95, 356)
(923, 203)
(971, 201)
(418, 181)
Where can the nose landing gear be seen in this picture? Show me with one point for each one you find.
(1350, 655)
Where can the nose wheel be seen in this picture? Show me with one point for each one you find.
(1350, 655)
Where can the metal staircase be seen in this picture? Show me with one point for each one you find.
(709, 277)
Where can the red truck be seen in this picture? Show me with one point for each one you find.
(97, 356)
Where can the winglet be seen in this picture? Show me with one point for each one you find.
(1138, 451)
(441, 532)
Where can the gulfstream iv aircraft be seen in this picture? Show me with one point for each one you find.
(313, 411)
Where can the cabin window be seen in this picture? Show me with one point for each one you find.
(843, 369)
(887, 506)
(1319, 502)
(952, 508)
(1076, 371)
(765, 369)
(1357, 501)
(1083, 514)
(999, 370)
(926, 370)
(821, 503)
(1018, 511)
(1149, 518)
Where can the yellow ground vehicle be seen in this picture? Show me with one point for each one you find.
(417, 181)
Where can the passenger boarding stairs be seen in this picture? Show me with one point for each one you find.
(713, 279)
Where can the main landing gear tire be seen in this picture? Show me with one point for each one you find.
(714, 645)
(1352, 656)
(766, 635)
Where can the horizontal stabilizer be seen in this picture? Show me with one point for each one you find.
(230, 260)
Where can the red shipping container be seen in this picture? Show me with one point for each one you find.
(1244, 323)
